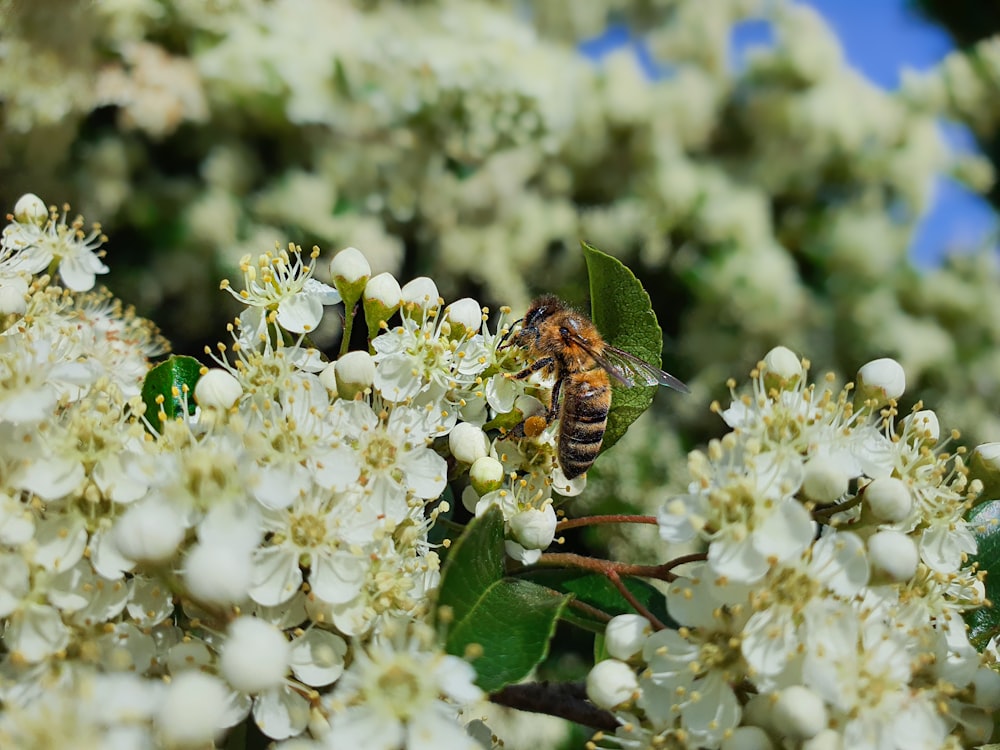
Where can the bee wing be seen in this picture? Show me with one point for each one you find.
(628, 369)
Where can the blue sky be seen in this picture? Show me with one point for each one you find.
(881, 38)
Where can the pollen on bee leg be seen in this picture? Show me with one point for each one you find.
(534, 426)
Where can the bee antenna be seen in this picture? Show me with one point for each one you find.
(503, 340)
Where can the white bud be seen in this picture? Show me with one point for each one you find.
(350, 272)
(893, 555)
(799, 713)
(486, 475)
(30, 209)
(888, 499)
(420, 293)
(783, 364)
(925, 424)
(611, 683)
(466, 316)
(12, 296)
(354, 372)
(328, 377)
(468, 443)
(823, 482)
(217, 389)
(384, 289)
(193, 709)
(217, 574)
(987, 684)
(255, 657)
(828, 739)
(881, 379)
(989, 454)
(533, 528)
(350, 266)
(759, 712)
(625, 635)
(149, 532)
(747, 738)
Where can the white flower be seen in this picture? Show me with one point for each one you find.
(401, 696)
(38, 244)
(279, 283)
(882, 379)
(392, 454)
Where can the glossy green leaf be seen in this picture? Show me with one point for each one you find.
(597, 591)
(984, 623)
(623, 313)
(168, 379)
(506, 623)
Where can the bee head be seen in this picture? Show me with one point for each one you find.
(538, 311)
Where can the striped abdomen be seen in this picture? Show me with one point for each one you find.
(583, 420)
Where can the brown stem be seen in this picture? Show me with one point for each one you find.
(574, 523)
(636, 604)
(565, 700)
(604, 567)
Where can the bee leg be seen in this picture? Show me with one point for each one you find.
(538, 423)
(538, 364)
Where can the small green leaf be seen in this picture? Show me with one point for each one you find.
(166, 378)
(597, 591)
(623, 313)
(984, 623)
(509, 621)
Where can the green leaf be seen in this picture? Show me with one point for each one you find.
(984, 623)
(623, 313)
(507, 622)
(164, 380)
(597, 591)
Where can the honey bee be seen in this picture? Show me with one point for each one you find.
(566, 344)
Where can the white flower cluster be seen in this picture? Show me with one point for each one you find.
(267, 555)
(827, 611)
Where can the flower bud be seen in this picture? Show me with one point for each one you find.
(823, 482)
(924, 424)
(350, 272)
(30, 209)
(468, 443)
(191, 708)
(486, 475)
(799, 713)
(984, 465)
(533, 528)
(747, 738)
(881, 380)
(466, 317)
(217, 389)
(328, 377)
(218, 574)
(13, 293)
(149, 532)
(893, 556)
(382, 298)
(355, 372)
(420, 294)
(611, 683)
(625, 635)
(977, 726)
(255, 656)
(889, 499)
(782, 368)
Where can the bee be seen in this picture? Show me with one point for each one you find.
(566, 344)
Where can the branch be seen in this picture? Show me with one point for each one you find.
(565, 700)
(573, 523)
